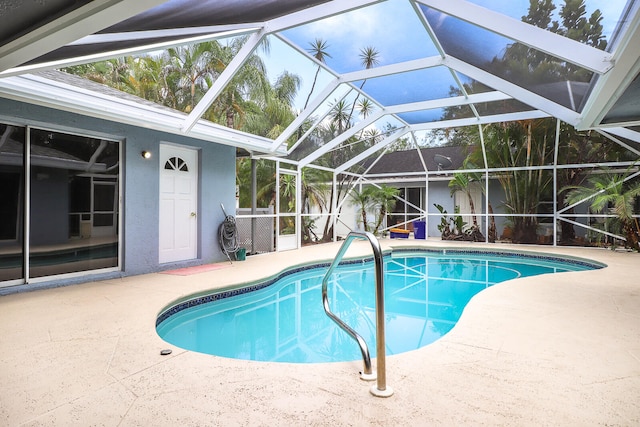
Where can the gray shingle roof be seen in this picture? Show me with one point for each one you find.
(408, 161)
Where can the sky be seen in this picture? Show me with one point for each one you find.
(397, 40)
(400, 39)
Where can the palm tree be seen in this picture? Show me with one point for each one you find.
(314, 191)
(384, 198)
(365, 107)
(266, 182)
(520, 144)
(318, 50)
(581, 148)
(340, 117)
(112, 72)
(610, 190)
(193, 65)
(145, 78)
(369, 59)
(276, 113)
(364, 200)
(462, 182)
(249, 84)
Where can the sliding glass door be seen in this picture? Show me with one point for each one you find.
(12, 148)
(63, 217)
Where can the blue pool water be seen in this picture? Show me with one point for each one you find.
(425, 294)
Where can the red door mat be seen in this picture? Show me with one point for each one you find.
(188, 271)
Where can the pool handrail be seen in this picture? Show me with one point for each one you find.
(380, 389)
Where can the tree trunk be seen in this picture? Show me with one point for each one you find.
(364, 219)
(567, 231)
(632, 236)
(472, 208)
(524, 230)
(492, 233)
(381, 215)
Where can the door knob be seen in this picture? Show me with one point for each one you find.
(193, 214)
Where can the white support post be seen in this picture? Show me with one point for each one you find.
(27, 203)
(486, 186)
(277, 210)
(555, 184)
(298, 217)
(334, 206)
(426, 205)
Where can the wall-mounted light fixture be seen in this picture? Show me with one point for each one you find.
(146, 154)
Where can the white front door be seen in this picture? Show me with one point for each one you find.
(178, 203)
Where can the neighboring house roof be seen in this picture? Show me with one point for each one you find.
(399, 162)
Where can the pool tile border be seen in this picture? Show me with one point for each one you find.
(216, 296)
(508, 254)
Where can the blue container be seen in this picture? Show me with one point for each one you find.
(419, 229)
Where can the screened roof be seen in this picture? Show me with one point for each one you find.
(437, 64)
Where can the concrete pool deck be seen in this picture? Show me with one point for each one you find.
(560, 349)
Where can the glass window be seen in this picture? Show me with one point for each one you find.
(414, 196)
(12, 197)
(74, 203)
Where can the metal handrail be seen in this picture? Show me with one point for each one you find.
(380, 389)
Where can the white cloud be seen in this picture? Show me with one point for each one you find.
(359, 25)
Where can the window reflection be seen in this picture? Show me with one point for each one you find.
(12, 196)
(543, 74)
(74, 203)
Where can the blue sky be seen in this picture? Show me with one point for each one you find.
(399, 39)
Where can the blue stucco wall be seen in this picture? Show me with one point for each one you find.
(140, 192)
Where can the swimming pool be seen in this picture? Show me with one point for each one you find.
(283, 319)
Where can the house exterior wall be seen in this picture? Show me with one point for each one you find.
(140, 182)
(439, 192)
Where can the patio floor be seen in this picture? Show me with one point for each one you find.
(559, 349)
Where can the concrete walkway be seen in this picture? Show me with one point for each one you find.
(561, 350)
